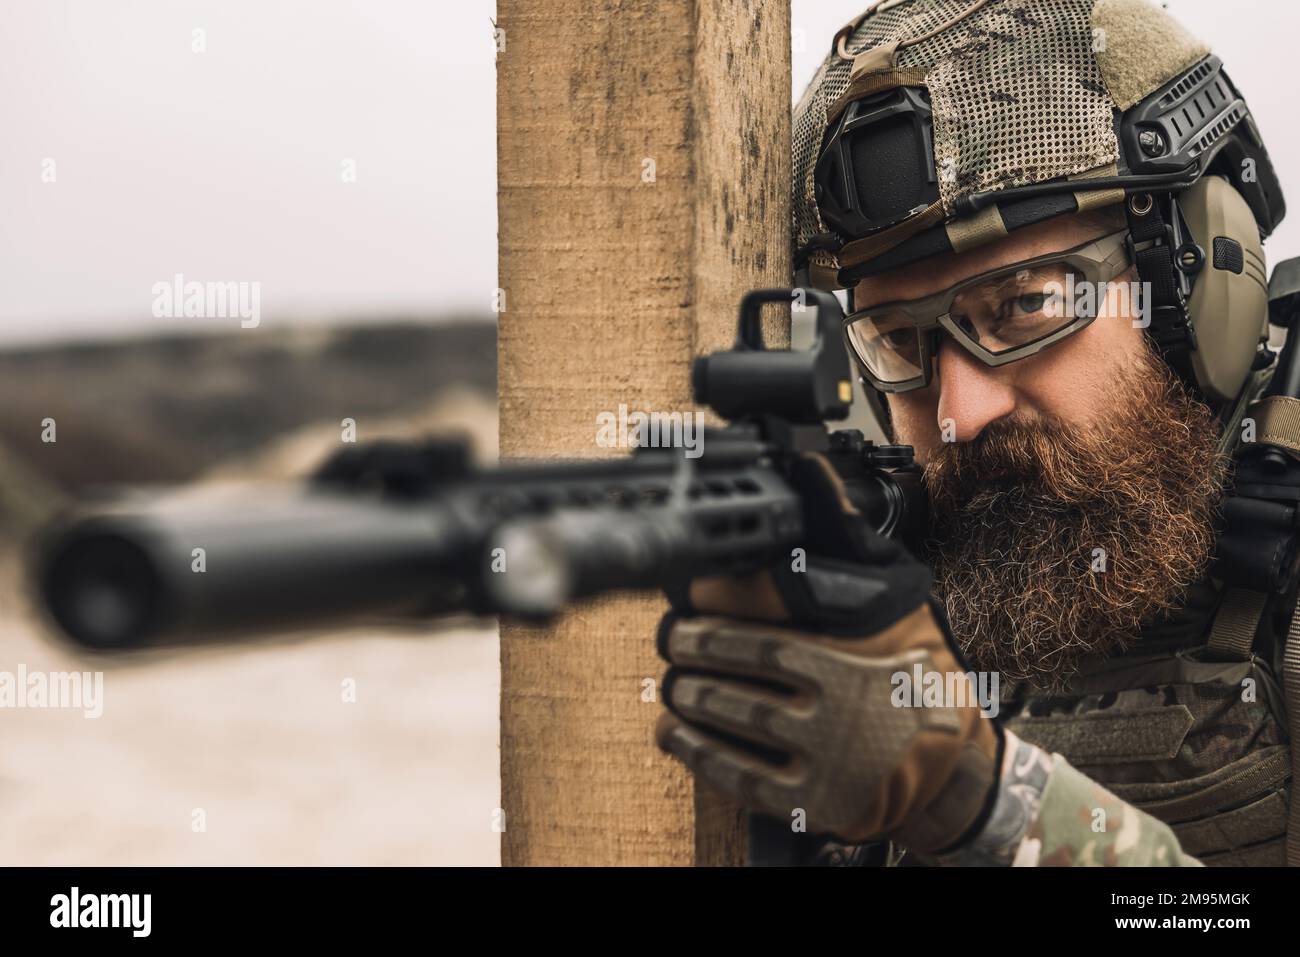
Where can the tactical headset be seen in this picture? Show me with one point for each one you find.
(1199, 194)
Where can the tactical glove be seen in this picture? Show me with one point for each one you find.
(784, 688)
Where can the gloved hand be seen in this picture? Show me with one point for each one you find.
(780, 689)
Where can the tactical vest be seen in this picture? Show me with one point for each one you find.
(1191, 732)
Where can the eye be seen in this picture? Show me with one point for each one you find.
(1029, 305)
(1031, 302)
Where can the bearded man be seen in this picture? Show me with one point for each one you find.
(1058, 299)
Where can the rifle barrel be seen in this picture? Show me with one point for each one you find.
(285, 558)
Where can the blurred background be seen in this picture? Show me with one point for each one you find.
(340, 154)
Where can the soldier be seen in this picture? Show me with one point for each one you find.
(1048, 215)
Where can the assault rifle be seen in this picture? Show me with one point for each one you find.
(413, 529)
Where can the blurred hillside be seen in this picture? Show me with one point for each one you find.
(167, 409)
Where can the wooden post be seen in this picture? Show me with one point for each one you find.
(643, 157)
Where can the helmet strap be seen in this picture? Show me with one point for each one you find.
(1152, 244)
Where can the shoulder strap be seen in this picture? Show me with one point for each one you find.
(1240, 609)
(1277, 422)
(1231, 638)
(1233, 632)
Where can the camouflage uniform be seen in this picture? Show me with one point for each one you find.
(1175, 752)
(1082, 824)
(1152, 758)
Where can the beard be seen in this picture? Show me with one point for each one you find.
(1054, 544)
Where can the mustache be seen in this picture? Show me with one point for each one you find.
(1046, 459)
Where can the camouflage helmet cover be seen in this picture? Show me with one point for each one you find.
(1018, 91)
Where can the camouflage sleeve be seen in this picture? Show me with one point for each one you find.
(1048, 814)
(1080, 823)
(1022, 780)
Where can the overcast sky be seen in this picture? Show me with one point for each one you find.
(227, 164)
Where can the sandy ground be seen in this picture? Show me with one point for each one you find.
(259, 737)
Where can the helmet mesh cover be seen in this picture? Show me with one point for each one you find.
(1016, 93)
(831, 79)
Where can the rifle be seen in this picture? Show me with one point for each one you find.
(414, 530)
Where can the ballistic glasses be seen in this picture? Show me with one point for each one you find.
(999, 316)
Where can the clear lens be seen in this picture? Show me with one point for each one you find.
(1002, 315)
(889, 345)
(1019, 308)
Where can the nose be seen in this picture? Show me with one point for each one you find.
(971, 394)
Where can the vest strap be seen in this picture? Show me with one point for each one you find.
(1233, 632)
(1235, 829)
(1268, 854)
(1101, 737)
(1237, 783)
(1277, 422)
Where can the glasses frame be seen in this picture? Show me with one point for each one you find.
(1100, 260)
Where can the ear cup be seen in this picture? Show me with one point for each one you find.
(1228, 308)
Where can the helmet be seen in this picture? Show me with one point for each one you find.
(935, 126)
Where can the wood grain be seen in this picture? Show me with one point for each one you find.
(613, 284)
